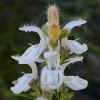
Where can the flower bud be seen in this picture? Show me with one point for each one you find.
(54, 32)
(53, 15)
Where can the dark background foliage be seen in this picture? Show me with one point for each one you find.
(15, 13)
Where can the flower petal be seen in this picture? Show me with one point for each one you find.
(76, 47)
(43, 78)
(23, 84)
(34, 70)
(28, 28)
(75, 82)
(74, 23)
(31, 54)
(74, 59)
(39, 60)
(51, 78)
(71, 61)
(41, 98)
(53, 59)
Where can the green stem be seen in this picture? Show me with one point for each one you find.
(57, 94)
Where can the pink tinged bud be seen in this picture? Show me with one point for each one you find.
(53, 15)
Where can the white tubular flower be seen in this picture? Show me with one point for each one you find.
(75, 82)
(73, 45)
(74, 23)
(41, 98)
(76, 47)
(51, 79)
(71, 61)
(23, 83)
(52, 58)
(34, 51)
(31, 54)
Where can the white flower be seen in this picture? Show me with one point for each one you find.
(73, 45)
(40, 98)
(51, 75)
(76, 47)
(23, 83)
(31, 54)
(34, 51)
(74, 23)
(75, 82)
(52, 58)
(51, 78)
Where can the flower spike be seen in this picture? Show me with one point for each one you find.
(53, 53)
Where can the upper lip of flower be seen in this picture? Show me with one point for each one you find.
(74, 23)
(28, 28)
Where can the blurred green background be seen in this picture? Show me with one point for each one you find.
(15, 13)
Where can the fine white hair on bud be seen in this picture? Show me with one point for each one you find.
(53, 15)
(53, 21)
